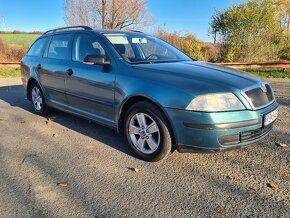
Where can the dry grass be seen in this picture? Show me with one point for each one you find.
(189, 44)
(9, 53)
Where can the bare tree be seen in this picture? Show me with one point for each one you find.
(107, 14)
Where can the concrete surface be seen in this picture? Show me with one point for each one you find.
(94, 163)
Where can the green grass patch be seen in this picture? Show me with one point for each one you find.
(270, 73)
(19, 39)
(10, 73)
(265, 73)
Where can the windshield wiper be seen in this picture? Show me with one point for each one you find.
(157, 61)
(141, 62)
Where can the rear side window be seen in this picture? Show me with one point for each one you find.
(36, 49)
(59, 47)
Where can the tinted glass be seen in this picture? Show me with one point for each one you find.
(37, 48)
(59, 47)
(85, 45)
(140, 48)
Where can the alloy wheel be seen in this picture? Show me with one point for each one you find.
(36, 98)
(144, 133)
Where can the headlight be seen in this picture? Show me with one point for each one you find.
(215, 103)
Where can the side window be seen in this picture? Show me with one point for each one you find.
(85, 45)
(36, 49)
(59, 47)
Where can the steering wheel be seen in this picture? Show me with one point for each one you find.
(151, 56)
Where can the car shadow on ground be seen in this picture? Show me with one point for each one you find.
(15, 96)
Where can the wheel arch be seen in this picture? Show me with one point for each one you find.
(29, 83)
(138, 98)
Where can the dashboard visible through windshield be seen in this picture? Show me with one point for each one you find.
(139, 49)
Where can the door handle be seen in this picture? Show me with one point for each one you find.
(69, 72)
(38, 66)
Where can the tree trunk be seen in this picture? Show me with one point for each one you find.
(103, 14)
(113, 15)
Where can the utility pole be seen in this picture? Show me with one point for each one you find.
(3, 23)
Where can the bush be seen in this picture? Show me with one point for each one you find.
(11, 53)
(188, 44)
(253, 31)
(285, 52)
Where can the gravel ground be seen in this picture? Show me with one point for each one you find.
(93, 165)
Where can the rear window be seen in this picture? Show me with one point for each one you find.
(36, 49)
(59, 47)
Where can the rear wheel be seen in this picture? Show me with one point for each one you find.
(37, 99)
(147, 132)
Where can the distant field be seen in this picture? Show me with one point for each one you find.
(19, 39)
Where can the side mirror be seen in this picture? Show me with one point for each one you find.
(97, 60)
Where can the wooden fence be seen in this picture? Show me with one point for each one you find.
(263, 65)
(9, 65)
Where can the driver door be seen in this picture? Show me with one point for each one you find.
(90, 88)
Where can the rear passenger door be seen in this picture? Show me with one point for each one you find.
(90, 88)
(53, 70)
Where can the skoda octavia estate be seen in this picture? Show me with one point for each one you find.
(157, 97)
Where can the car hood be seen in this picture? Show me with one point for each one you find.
(198, 77)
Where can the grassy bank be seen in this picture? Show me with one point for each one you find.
(270, 73)
(10, 73)
(267, 73)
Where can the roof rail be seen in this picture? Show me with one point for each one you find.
(136, 31)
(67, 28)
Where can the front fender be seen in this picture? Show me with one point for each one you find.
(162, 94)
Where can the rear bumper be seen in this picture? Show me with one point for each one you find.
(215, 132)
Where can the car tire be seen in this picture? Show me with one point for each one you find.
(38, 101)
(147, 132)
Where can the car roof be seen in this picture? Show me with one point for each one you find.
(85, 29)
(109, 31)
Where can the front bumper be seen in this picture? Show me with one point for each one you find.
(221, 131)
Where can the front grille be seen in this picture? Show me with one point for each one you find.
(259, 98)
(241, 137)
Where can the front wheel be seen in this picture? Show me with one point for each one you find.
(147, 132)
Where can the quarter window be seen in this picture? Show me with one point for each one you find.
(59, 47)
(85, 45)
(36, 49)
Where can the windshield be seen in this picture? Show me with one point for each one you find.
(139, 48)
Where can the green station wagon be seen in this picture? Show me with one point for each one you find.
(157, 97)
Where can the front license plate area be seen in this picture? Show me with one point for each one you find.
(270, 117)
